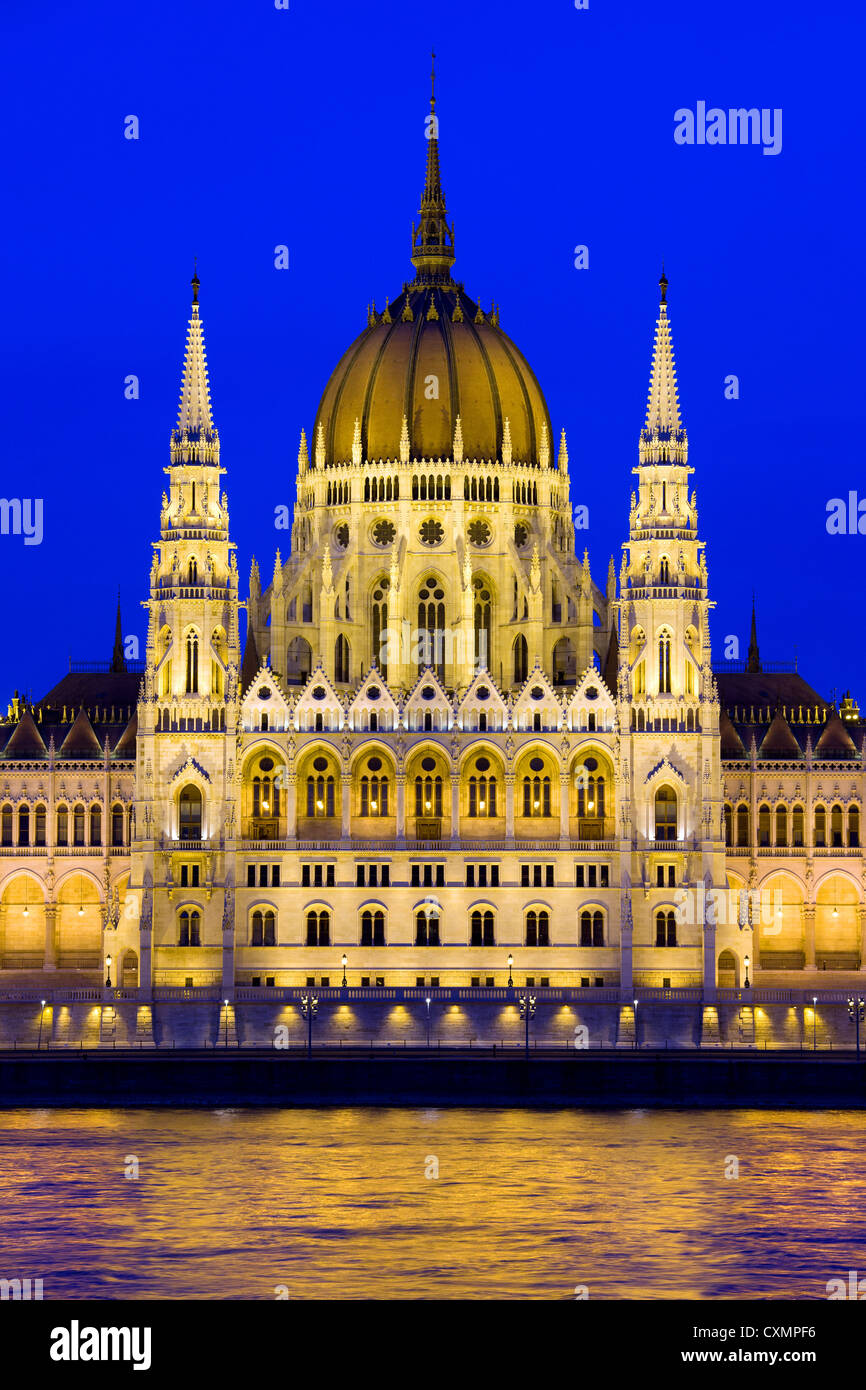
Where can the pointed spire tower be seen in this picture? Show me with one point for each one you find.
(433, 238)
(663, 583)
(118, 660)
(754, 661)
(194, 439)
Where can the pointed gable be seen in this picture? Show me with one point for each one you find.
(427, 697)
(537, 696)
(319, 698)
(373, 706)
(125, 746)
(834, 739)
(483, 698)
(265, 704)
(779, 742)
(81, 741)
(591, 707)
(26, 740)
(732, 745)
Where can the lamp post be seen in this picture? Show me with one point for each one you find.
(635, 1002)
(856, 1008)
(510, 964)
(108, 972)
(814, 1022)
(527, 1011)
(309, 1008)
(226, 1007)
(345, 962)
(427, 1002)
(746, 984)
(41, 1016)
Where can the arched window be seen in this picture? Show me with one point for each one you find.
(482, 789)
(729, 825)
(426, 927)
(592, 927)
(743, 835)
(537, 927)
(374, 789)
(481, 932)
(117, 825)
(24, 825)
(78, 826)
(481, 620)
(431, 626)
(590, 790)
(666, 813)
(428, 795)
(318, 928)
(666, 928)
(379, 650)
(40, 826)
(320, 790)
(372, 927)
(665, 663)
(7, 825)
(190, 927)
(263, 927)
(190, 813)
(836, 827)
(781, 825)
(664, 571)
(536, 795)
(521, 660)
(820, 827)
(95, 825)
(853, 827)
(341, 660)
(62, 825)
(763, 825)
(192, 663)
(798, 830)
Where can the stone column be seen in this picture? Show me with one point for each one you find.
(861, 914)
(626, 970)
(563, 807)
(455, 807)
(50, 958)
(291, 806)
(509, 805)
(346, 785)
(709, 961)
(809, 936)
(145, 960)
(401, 807)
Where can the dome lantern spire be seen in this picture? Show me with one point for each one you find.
(433, 238)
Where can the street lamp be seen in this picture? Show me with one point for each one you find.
(108, 972)
(345, 961)
(527, 1011)
(427, 1002)
(746, 984)
(814, 1022)
(510, 964)
(226, 1006)
(856, 1008)
(635, 1002)
(41, 1016)
(309, 1008)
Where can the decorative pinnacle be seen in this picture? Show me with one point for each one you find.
(663, 286)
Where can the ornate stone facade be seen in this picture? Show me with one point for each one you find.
(447, 754)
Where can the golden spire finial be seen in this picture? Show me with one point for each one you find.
(663, 286)
(195, 282)
(432, 80)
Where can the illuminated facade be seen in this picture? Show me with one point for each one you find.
(444, 744)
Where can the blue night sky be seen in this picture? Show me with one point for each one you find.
(261, 126)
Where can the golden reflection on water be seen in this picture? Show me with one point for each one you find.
(337, 1203)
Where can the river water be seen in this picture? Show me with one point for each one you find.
(415, 1203)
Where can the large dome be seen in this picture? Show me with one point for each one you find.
(428, 357)
(431, 356)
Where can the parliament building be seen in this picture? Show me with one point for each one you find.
(445, 752)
